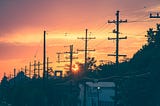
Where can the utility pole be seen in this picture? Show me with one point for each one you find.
(86, 38)
(117, 22)
(14, 72)
(25, 70)
(59, 57)
(48, 62)
(86, 48)
(30, 69)
(35, 68)
(14, 75)
(71, 57)
(39, 64)
(71, 53)
(5, 74)
(154, 16)
(44, 56)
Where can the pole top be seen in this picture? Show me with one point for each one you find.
(117, 12)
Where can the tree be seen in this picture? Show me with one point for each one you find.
(4, 88)
(139, 87)
(91, 64)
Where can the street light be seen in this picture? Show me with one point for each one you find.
(98, 88)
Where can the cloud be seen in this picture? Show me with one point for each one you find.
(11, 51)
(17, 15)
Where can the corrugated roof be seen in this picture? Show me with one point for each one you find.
(101, 84)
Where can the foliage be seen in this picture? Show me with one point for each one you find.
(139, 87)
(138, 79)
(33, 92)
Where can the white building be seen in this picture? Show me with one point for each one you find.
(98, 94)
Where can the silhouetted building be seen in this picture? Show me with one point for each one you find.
(21, 77)
(98, 94)
(58, 73)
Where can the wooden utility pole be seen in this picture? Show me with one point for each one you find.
(71, 57)
(25, 70)
(117, 22)
(86, 48)
(154, 16)
(71, 53)
(30, 69)
(86, 38)
(35, 68)
(59, 57)
(44, 56)
(48, 62)
(14, 73)
(158, 25)
(39, 64)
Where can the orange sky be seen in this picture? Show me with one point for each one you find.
(22, 23)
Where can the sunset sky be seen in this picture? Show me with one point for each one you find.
(22, 23)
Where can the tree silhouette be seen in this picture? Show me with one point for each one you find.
(139, 87)
(4, 89)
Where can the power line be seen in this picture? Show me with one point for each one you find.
(140, 21)
(98, 44)
(38, 47)
(103, 28)
(140, 9)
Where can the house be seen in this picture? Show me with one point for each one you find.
(97, 94)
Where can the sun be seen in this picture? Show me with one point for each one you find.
(75, 68)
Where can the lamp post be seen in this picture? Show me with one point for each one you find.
(98, 88)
